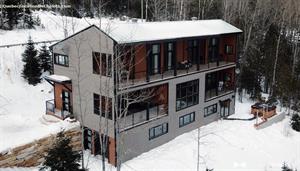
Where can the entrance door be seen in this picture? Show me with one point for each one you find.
(66, 100)
(225, 108)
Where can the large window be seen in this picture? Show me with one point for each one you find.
(169, 55)
(186, 119)
(193, 51)
(209, 110)
(102, 64)
(106, 106)
(62, 60)
(158, 131)
(154, 60)
(187, 94)
(213, 49)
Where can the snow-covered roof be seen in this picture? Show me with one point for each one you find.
(135, 32)
(58, 78)
(130, 32)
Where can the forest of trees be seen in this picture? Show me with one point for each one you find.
(268, 58)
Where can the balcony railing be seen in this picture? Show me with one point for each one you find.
(51, 110)
(50, 107)
(181, 68)
(218, 91)
(136, 118)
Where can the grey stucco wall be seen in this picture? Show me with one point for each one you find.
(136, 140)
(79, 48)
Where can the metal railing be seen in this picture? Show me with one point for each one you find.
(181, 68)
(50, 107)
(142, 116)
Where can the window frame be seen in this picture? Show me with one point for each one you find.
(168, 51)
(164, 130)
(214, 110)
(96, 105)
(182, 118)
(105, 62)
(193, 51)
(152, 69)
(57, 59)
(228, 48)
(213, 49)
(185, 88)
(98, 108)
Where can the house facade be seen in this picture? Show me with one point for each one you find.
(135, 86)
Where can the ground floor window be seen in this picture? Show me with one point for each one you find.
(88, 134)
(209, 110)
(186, 119)
(158, 131)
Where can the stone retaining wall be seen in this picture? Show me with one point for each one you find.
(32, 154)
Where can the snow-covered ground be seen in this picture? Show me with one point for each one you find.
(22, 106)
(225, 145)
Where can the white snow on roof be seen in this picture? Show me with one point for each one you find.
(131, 32)
(57, 78)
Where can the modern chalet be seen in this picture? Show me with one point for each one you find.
(177, 75)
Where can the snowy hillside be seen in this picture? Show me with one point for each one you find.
(225, 145)
(21, 105)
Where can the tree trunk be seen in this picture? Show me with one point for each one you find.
(275, 63)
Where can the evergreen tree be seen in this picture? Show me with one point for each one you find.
(295, 122)
(28, 20)
(285, 168)
(31, 71)
(12, 13)
(45, 59)
(62, 157)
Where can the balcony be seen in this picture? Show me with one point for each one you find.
(140, 116)
(219, 83)
(182, 68)
(51, 110)
(153, 105)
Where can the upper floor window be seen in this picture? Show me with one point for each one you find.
(102, 64)
(228, 49)
(187, 94)
(158, 131)
(209, 110)
(61, 59)
(213, 49)
(102, 105)
(193, 51)
(154, 60)
(169, 55)
(186, 119)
